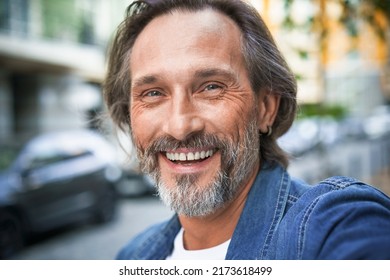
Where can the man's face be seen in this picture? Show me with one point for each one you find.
(193, 113)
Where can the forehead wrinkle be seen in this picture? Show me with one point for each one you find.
(210, 72)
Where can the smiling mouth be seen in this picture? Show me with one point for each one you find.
(190, 157)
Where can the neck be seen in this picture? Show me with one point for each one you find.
(218, 227)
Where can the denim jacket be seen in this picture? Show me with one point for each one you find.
(284, 218)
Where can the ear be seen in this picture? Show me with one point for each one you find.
(268, 104)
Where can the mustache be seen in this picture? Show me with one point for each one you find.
(167, 143)
(148, 155)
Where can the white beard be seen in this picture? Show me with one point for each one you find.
(187, 198)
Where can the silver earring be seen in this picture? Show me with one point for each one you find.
(269, 132)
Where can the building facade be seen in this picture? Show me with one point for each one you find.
(52, 61)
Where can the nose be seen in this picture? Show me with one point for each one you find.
(184, 118)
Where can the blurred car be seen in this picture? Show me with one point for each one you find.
(56, 179)
(352, 128)
(378, 123)
(309, 134)
(134, 184)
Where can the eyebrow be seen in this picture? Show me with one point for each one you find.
(145, 80)
(199, 74)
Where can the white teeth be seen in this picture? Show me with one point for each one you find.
(189, 156)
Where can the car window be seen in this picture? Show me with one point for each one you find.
(43, 160)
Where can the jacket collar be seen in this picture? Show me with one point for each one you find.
(261, 215)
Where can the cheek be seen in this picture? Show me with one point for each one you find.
(142, 126)
(232, 116)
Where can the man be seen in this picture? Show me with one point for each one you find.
(205, 93)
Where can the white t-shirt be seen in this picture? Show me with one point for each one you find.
(180, 253)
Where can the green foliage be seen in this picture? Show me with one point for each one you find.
(303, 54)
(60, 19)
(336, 112)
(65, 20)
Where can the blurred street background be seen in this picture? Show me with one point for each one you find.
(69, 183)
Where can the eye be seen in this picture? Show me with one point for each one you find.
(153, 93)
(152, 96)
(211, 87)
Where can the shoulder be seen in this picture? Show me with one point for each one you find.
(153, 243)
(348, 193)
(337, 190)
(339, 218)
